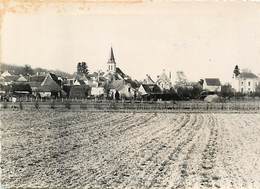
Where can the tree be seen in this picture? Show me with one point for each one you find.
(82, 69)
(196, 90)
(27, 70)
(236, 71)
(226, 91)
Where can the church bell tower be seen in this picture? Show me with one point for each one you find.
(111, 62)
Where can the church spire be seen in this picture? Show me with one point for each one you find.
(112, 57)
(111, 62)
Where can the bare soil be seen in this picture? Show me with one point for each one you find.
(51, 149)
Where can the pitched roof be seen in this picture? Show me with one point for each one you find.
(34, 84)
(50, 83)
(11, 78)
(120, 73)
(22, 79)
(117, 84)
(6, 73)
(54, 77)
(37, 78)
(21, 87)
(149, 80)
(247, 75)
(151, 88)
(212, 81)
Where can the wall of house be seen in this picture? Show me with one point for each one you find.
(163, 84)
(211, 88)
(97, 91)
(247, 85)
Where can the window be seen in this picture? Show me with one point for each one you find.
(241, 90)
(248, 83)
(242, 83)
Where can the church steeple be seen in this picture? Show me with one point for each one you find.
(112, 57)
(111, 62)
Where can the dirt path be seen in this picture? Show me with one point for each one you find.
(119, 150)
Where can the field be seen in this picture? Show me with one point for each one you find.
(55, 149)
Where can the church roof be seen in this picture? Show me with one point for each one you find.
(111, 57)
(247, 75)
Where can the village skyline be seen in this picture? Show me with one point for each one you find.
(146, 38)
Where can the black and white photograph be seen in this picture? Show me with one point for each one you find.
(129, 94)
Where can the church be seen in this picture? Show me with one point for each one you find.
(114, 72)
(118, 80)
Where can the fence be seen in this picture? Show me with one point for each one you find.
(133, 106)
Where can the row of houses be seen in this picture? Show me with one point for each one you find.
(113, 84)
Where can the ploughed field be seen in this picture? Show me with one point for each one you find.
(123, 150)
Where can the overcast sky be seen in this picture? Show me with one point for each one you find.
(201, 39)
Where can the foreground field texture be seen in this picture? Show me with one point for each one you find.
(118, 150)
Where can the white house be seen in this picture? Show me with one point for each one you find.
(6, 73)
(124, 87)
(164, 81)
(97, 91)
(212, 85)
(245, 82)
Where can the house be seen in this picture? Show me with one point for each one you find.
(126, 89)
(35, 86)
(150, 91)
(35, 82)
(8, 80)
(21, 78)
(21, 89)
(164, 81)
(51, 86)
(245, 82)
(37, 78)
(5, 73)
(212, 85)
(97, 91)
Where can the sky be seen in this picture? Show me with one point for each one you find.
(201, 39)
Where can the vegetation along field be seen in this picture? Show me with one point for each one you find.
(54, 149)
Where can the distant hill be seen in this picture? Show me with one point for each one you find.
(15, 69)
